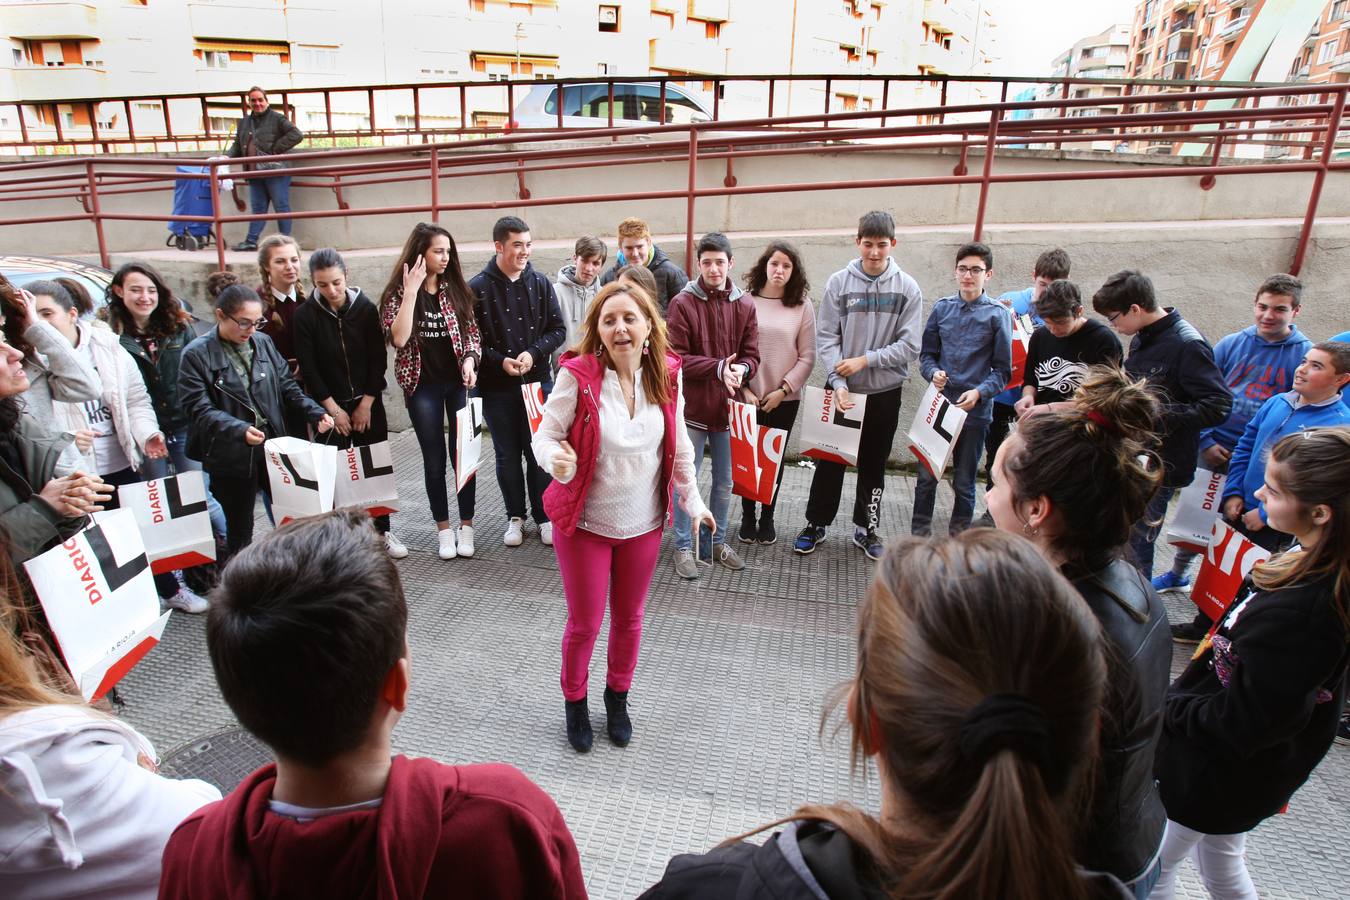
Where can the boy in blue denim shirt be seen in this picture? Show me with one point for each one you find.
(966, 354)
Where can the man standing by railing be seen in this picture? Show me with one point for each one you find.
(265, 132)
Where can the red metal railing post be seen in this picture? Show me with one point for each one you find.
(328, 112)
(23, 125)
(1063, 95)
(93, 121)
(168, 124)
(370, 103)
(435, 184)
(942, 102)
(521, 190)
(772, 82)
(511, 102)
(1319, 177)
(994, 118)
(885, 98)
(206, 119)
(717, 99)
(689, 201)
(661, 114)
(463, 110)
(216, 225)
(417, 111)
(1208, 181)
(97, 211)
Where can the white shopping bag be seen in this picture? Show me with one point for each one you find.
(1198, 505)
(365, 478)
(171, 515)
(937, 424)
(534, 404)
(100, 600)
(468, 441)
(302, 475)
(828, 432)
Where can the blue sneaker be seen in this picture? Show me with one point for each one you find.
(866, 540)
(809, 539)
(1170, 582)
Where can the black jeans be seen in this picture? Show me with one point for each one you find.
(429, 407)
(511, 436)
(165, 584)
(999, 427)
(874, 448)
(784, 416)
(236, 495)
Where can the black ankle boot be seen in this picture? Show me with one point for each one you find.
(617, 723)
(579, 724)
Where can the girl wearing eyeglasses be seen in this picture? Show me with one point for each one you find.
(237, 388)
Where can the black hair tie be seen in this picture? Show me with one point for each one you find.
(1006, 722)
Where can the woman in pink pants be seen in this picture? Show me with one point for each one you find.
(614, 440)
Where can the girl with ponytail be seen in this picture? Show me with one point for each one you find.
(977, 690)
(1255, 711)
(1073, 479)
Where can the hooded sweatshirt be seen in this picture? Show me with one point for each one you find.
(515, 316)
(670, 278)
(880, 318)
(439, 831)
(79, 816)
(707, 325)
(574, 298)
(1255, 370)
(1279, 417)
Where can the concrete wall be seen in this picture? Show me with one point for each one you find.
(1209, 270)
(1046, 203)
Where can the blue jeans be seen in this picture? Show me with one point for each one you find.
(429, 407)
(719, 446)
(1145, 532)
(261, 191)
(511, 437)
(965, 463)
(159, 468)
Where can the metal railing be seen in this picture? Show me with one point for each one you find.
(1317, 114)
(179, 122)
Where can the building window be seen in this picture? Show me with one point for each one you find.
(609, 18)
(1339, 10)
(317, 59)
(1327, 52)
(712, 30)
(850, 53)
(667, 19)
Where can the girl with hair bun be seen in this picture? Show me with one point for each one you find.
(1255, 711)
(978, 686)
(1073, 479)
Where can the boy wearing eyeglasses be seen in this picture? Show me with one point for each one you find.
(967, 354)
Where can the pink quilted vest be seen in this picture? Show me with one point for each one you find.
(564, 503)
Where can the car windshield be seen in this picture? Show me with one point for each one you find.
(632, 102)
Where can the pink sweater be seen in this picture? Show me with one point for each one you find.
(787, 345)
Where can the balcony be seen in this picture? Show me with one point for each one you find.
(1181, 25)
(1101, 62)
(239, 21)
(947, 18)
(60, 82)
(35, 21)
(671, 54)
(935, 58)
(1232, 29)
(710, 10)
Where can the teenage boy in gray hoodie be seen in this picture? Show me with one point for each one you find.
(867, 334)
(578, 283)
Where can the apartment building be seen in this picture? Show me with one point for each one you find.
(115, 48)
(1102, 55)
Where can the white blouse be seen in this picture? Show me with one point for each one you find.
(624, 499)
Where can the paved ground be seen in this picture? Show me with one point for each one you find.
(727, 702)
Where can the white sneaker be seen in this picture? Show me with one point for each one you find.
(445, 538)
(466, 540)
(188, 602)
(393, 546)
(515, 532)
(546, 533)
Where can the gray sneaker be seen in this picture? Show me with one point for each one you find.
(727, 557)
(685, 567)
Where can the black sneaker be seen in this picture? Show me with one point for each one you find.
(767, 533)
(245, 246)
(1190, 633)
(1343, 730)
(866, 540)
(809, 538)
(749, 532)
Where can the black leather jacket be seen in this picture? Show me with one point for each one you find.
(1125, 824)
(221, 409)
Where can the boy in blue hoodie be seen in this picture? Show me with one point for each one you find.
(966, 354)
(1257, 363)
(1315, 402)
(867, 334)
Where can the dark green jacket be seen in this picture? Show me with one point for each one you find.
(161, 377)
(33, 526)
(272, 133)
